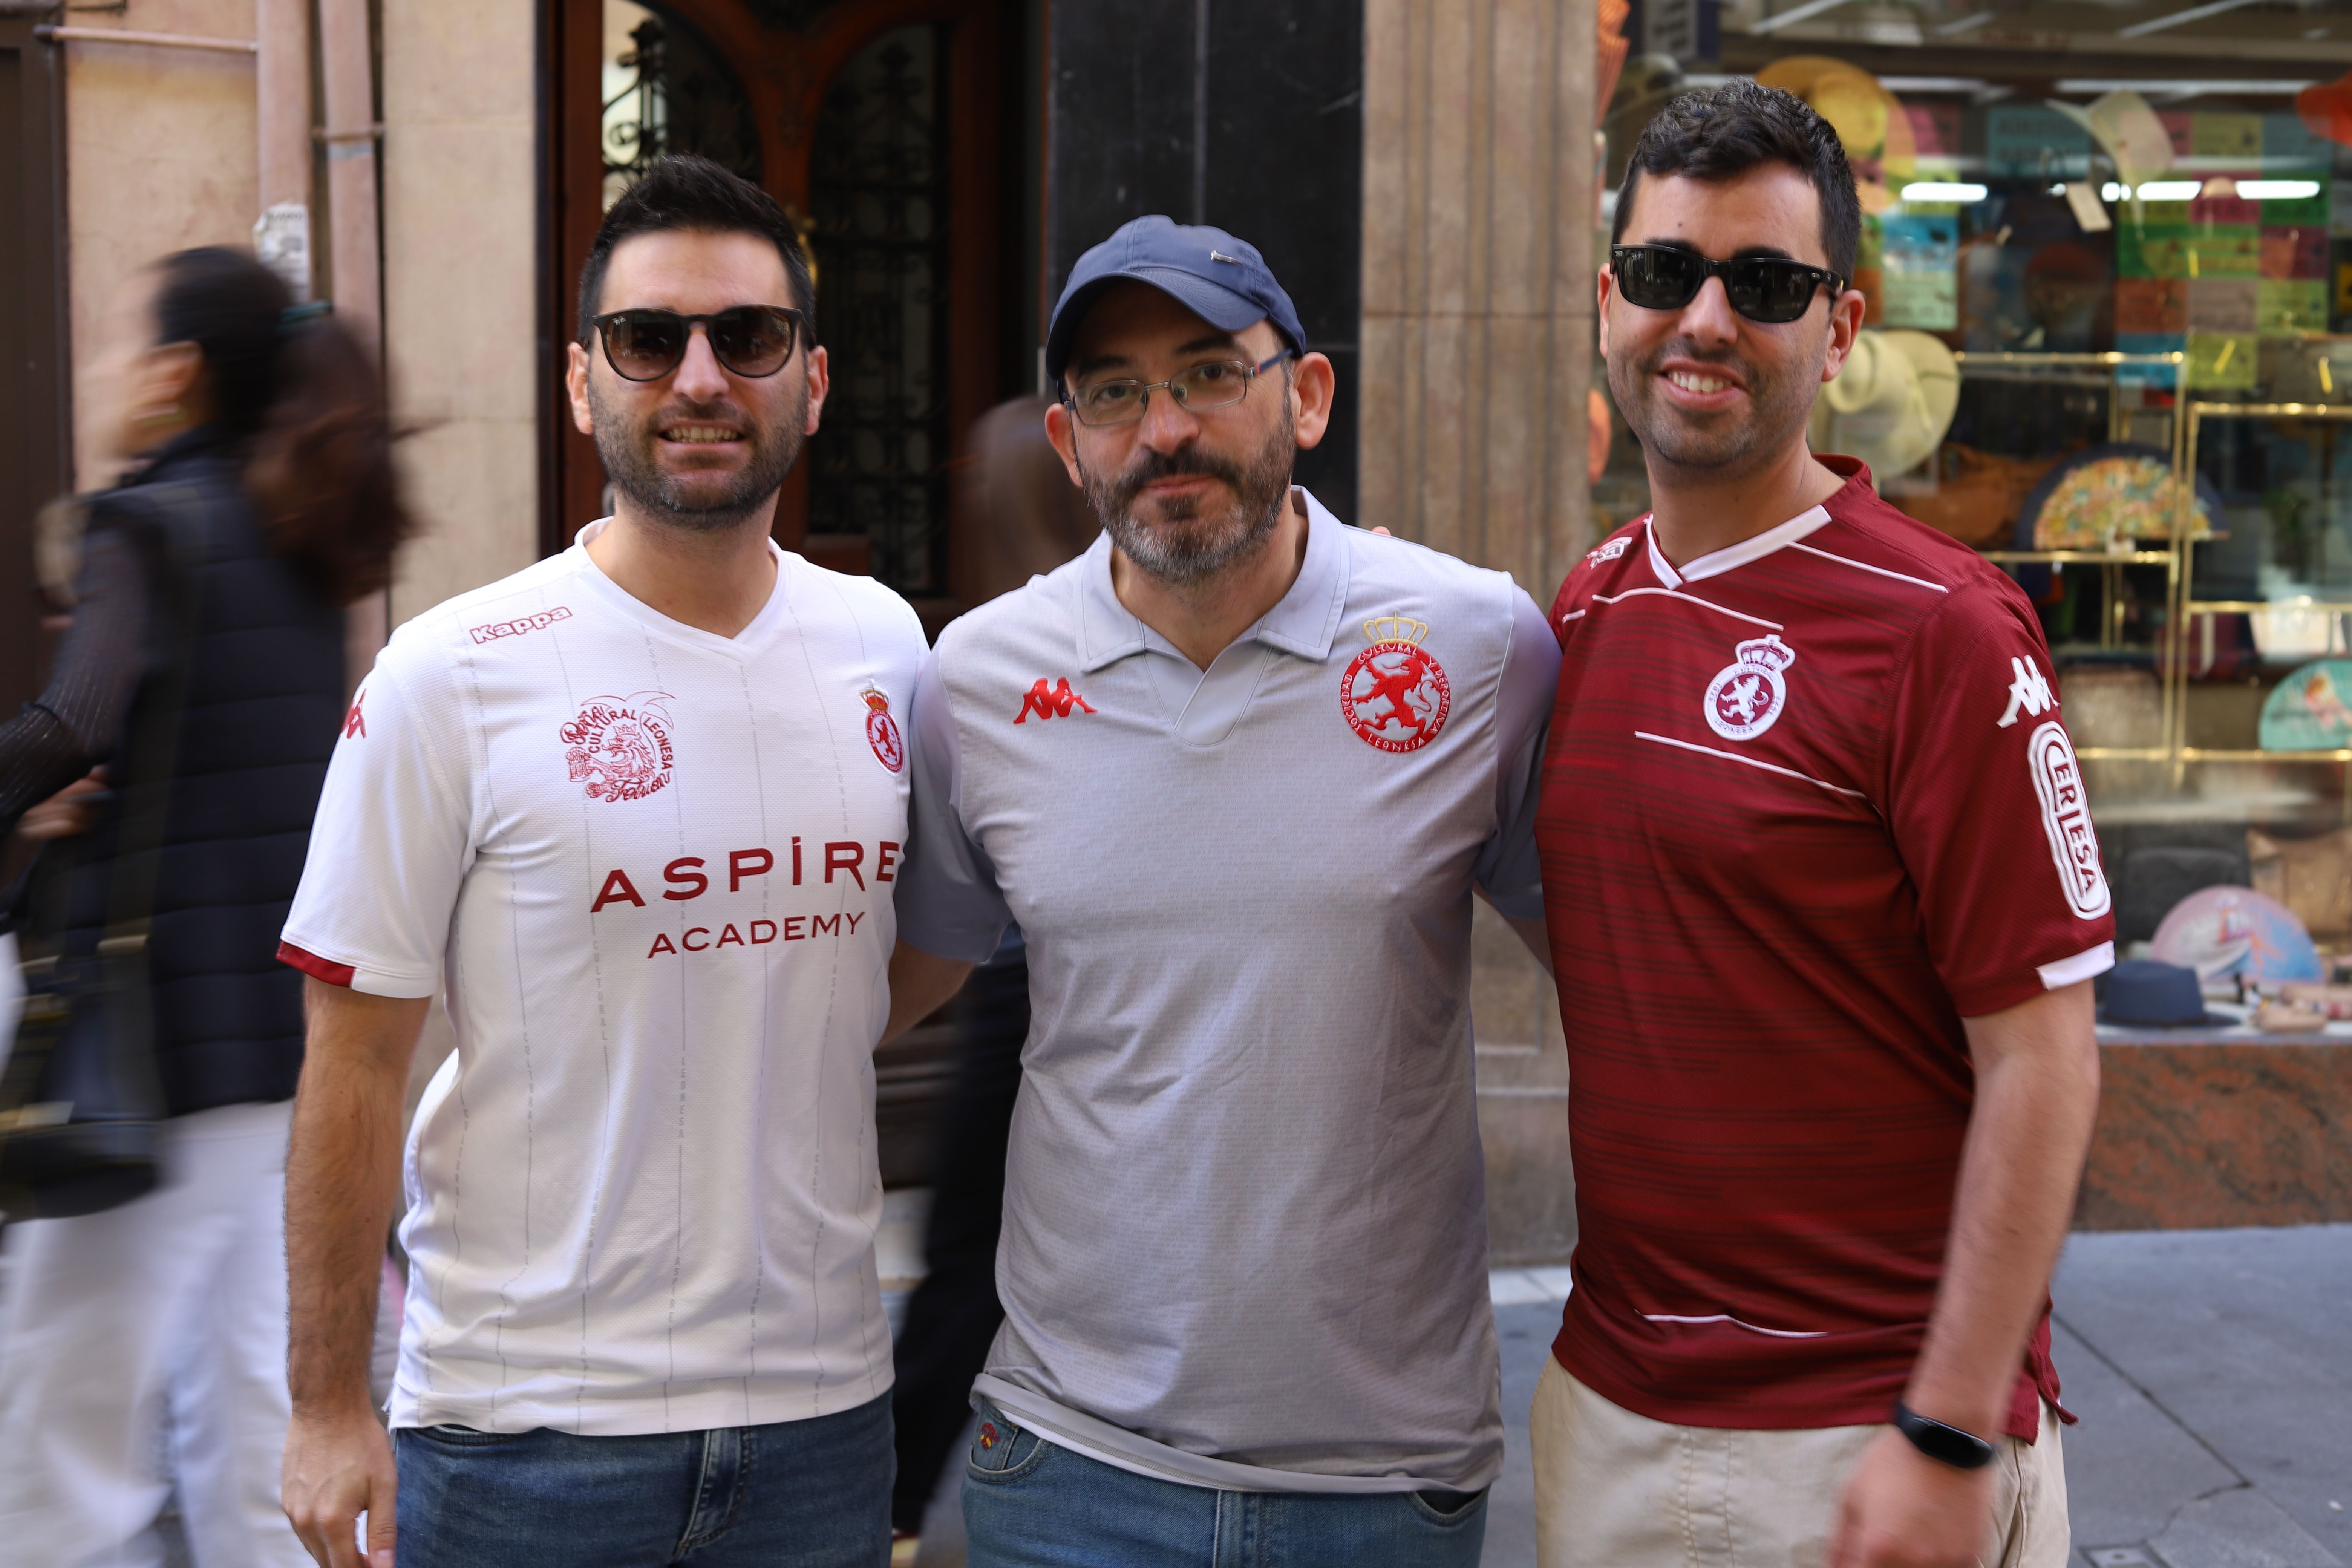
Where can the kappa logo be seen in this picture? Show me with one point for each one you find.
(538, 621)
(1055, 703)
(1394, 695)
(619, 746)
(882, 732)
(1611, 551)
(2029, 693)
(1746, 696)
(355, 722)
(2066, 819)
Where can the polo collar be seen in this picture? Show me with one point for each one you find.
(1303, 622)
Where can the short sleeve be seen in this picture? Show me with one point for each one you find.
(949, 903)
(389, 848)
(1987, 808)
(1508, 867)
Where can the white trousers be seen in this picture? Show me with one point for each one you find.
(143, 1350)
(1614, 1489)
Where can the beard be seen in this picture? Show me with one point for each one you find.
(1188, 543)
(1778, 400)
(629, 447)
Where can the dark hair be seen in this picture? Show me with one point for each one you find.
(302, 398)
(684, 191)
(1720, 131)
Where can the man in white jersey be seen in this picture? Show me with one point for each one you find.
(636, 813)
(1236, 771)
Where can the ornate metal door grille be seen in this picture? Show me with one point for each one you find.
(676, 98)
(879, 191)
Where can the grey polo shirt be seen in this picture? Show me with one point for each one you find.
(1245, 1237)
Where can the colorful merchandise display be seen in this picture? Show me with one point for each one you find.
(2237, 933)
(2310, 709)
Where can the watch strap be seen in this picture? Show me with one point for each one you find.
(1961, 1450)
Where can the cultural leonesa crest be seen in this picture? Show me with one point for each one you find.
(1394, 694)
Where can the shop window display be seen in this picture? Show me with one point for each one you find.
(2107, 255)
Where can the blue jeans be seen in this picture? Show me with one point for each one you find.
(1028, 1503)
(796, 1494)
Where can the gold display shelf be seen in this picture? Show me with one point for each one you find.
(2124, 753)
(2105, 359)
(2079, 557)
(2188, 432)
(2217, 755)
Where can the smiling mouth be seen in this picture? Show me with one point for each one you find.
(700, 435)
(1691, 381)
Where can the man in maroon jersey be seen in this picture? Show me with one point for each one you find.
(1825, 906)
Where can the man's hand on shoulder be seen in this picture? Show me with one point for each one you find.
(1902, 1509)
(339, 1466)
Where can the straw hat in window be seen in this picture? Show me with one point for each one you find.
(1891, 403)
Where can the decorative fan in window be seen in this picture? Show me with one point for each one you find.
(2105, 498)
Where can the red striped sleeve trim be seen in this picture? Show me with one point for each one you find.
(312, 964)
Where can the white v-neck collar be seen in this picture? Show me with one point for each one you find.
(1732, 555)
(761, 627)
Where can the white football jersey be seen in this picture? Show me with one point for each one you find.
(655, 866)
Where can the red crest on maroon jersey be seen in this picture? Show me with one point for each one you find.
(619, 746)
(1394, 695)
(882, 732)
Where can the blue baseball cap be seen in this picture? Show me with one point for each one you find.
(1223, 280)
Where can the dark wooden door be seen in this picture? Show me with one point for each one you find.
(34, 463)
(881, 127)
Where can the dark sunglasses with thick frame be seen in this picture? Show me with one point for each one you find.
(1771, 289)
(647, 344)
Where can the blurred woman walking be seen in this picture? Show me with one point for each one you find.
(142, 1348)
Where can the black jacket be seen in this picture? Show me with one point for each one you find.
(264, 702)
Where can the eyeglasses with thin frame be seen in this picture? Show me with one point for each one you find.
(1771, 289)
(1214, 384)
(647, 344)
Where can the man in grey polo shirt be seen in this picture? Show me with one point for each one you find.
(1235, 772)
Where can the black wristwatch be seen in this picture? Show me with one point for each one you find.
(1960, 1449)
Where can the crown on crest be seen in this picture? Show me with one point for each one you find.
(875, 701)
(1769, 652)
(1395, 629)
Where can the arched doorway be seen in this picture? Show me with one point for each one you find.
(888, 131)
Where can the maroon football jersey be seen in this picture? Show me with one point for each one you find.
(1808, 803)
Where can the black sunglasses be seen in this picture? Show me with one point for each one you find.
(750, 339)
(1760, 288)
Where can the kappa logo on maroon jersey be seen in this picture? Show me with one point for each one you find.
(1611, 551)
(1057, 704)
(1746, 695)
(537, 621)
(1394, 695)
(2066, 819)
(2029, 693)
(354, 721)
(619, 746)
(882, 732)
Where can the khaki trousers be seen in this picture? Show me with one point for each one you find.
(1614, 1489)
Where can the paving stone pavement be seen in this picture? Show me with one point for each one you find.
(2212, 1371)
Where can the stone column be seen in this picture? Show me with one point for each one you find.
(1478, 346)
(1477, 326)
(461, 303)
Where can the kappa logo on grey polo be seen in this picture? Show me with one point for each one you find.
(1059, 702)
